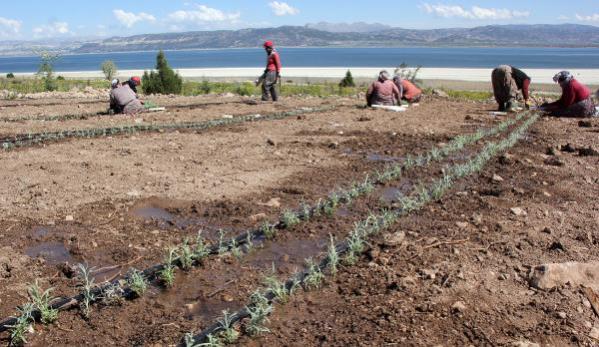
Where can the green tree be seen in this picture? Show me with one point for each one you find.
(109, 69)
(10, 75)
(162, 81)
(46, 69)
(410, 74)
(348, 80)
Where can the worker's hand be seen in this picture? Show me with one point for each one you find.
(527, 104)
(278, 77)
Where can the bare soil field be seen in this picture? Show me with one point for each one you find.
(456, 272)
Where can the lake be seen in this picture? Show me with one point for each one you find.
(554, 58)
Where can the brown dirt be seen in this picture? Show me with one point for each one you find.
(130, 197)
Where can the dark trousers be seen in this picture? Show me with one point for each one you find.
(269, 86)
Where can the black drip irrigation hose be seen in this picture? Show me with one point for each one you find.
(27, 140)
(380, 223)
(151, 273)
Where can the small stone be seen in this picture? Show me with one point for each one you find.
(69, 218)
(561, 315)
(585, 124)
(395, 239)
(458, 307)
(274, 203)
(550, 151)
(525, 344)
(285, 258)
(226, 298)
(334, 145)
(258, 217)
(546, 230)
(462, 225)
(568, 148)
(548, 276)
(428, 274)
(554, 161)
(503, 277)
(477, 219)
(547, 194)
(518, 211)
(497, 178)
(594, 333)
(270, 142)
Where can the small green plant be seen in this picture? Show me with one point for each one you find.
(314, 278)
(356, 246)
(290, 219)
(333, 256)
(87, 284)
(211, 341)
(222, 245)
(201, 250)
(269, 230)
(113, 295)
(138, 283)
(19, 330)
(229, 334)
(278, 288)
(249, 243)
(235, 249)
(167, 274)
(186, 256)
(306, 212)
(41, 302)
(259, 309)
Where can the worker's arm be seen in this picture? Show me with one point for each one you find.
(526, 89)
(369, 95)
(396, 94)
(566, 100)
(277, 59)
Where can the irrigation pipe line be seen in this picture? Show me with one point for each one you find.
(392, 172)
(27, 140)
(88, 115)
(371, 226)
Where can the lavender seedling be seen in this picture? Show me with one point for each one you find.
(87, 283)
(222, 246)
(235, 249)
(314, 277)
(113, 295)
(229, 335)
(249, 243)
(268, 230)
(138, 283)
(186, 256)
(333, 257)
(356, 247)
(259, 310)
(201, 250)
(23, 325)
(290, 219)
(41, 302)
(167, 274)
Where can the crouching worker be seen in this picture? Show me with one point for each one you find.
(507, 81)
(383, 91)
(407, 90)
(124, 100)
(576, 100)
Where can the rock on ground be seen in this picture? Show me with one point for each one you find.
(548, 276)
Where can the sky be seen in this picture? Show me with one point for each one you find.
(69, 19)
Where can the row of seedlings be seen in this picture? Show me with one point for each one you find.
(186, 255)
(261, 303)
(31, 139)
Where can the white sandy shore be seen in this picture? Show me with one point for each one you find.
(589, 76)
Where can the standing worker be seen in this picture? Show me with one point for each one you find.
(507, 80)
(383, 91)
(272, 73)
(576, 100)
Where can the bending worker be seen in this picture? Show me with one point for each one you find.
(124, 100)
(576, 100)
(133, 83)
(407, 90)
(507, 81)
(383, 91)
(272, 73)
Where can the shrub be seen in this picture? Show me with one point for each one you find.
(46, 69)
(60, 78)
(347, 81)
(109, 69)
(10, 75)
(162, 81)
(408, 73)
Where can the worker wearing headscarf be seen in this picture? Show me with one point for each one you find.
(272, 73)
(408, 91)
(507, 81)
(383, 91)
(576, 100)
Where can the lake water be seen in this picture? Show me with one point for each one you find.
(554, 58)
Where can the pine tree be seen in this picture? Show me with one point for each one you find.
(162, 81)
(348, 80)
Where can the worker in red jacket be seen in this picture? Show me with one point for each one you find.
(272, 73)
(576, 100)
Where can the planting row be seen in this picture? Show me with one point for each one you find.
(186, 256)
(27, 140)
(255, 314)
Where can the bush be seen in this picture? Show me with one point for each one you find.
(109, 69)
(60, 78)
(10, 75)
(408, 73)
(46, 70)
(347, 81)
(162, 81)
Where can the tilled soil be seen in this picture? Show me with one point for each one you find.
(123, 200)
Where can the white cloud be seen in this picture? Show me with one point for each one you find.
(52, 30)
(203, 14)
(9, 27)
(282, 9)
(476, 12)
(129, 19)
(562, 17)
(590, 18)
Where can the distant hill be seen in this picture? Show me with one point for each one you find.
(357, 27)
(339, 35)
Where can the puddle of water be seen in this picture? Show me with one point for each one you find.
(165, 219)
(153, 213)
(40, 231)
(286, 254)
(382, 158)
(390, 194)
(52, 252)
(342, 212)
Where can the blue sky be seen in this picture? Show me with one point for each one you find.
(28, 19)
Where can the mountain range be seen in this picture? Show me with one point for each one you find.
(338, 35)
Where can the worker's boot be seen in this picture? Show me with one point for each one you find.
(501, 107)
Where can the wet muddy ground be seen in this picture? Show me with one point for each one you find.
(116, 203)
